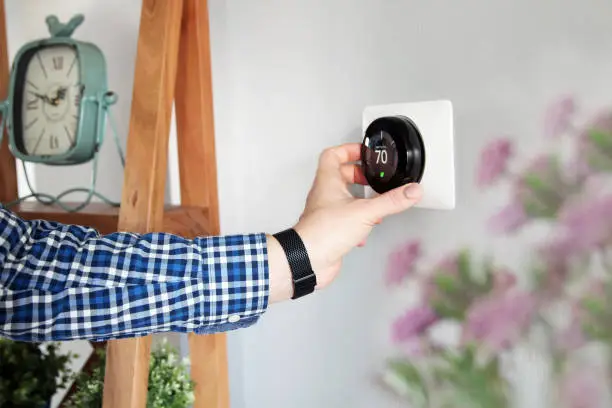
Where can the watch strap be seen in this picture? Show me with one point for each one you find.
(304, 278)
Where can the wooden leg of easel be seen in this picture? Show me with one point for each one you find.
(8, 171)
(142, 206)
(198, 173)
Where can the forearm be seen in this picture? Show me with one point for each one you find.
(60, 282)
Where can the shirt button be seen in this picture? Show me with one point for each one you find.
(233, 318)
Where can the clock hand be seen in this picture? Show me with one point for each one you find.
(43, 97)
(60, 96)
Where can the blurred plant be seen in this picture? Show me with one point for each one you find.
(169, 385)
(494, 315)
(30, 374)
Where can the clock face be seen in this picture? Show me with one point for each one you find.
(50, 98)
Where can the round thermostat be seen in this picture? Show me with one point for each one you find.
(392, 153)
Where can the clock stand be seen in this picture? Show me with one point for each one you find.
(169, 32)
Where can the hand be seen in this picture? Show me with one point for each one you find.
(333, 221)
(60, 96)
(45, 98)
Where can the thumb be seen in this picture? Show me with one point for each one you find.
(395, 201)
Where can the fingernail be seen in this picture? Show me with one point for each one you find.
(412, 190)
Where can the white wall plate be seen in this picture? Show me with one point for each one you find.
(434, 119)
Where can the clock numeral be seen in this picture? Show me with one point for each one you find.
(53, 142)
(29, 125)
(70, 139)
(77, 99)
(33, 104)
(58, 63)
(42, 66)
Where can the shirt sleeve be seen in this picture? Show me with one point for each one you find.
(64, 282)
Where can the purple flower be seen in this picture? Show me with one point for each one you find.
(509, 219)
(558, 116)
(413, 324)
(498, 320)
(493, 162)
(582, 387)
(402, 262)
(415, 347)
(555, 256)
(503, 280)
(587, 224)
(572, 336)
(538, 192)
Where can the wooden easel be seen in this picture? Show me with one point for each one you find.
(172, 66)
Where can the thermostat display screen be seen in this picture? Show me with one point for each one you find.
(381, 155)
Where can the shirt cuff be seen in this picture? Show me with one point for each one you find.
(237, 281)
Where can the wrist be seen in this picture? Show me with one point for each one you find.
(281, 282)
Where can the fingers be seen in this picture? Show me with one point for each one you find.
(394, 201)
(353, 174)
(341, 154)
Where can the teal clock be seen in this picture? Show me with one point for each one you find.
(58, 98)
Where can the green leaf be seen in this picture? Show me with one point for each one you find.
(464, 265)
(534, 182)
(594, 306)
(446, 283)
(445, 309)
(601, 139)
(409, 373)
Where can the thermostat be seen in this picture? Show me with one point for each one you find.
(410, 143)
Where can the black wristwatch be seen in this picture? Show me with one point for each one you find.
(304, 279)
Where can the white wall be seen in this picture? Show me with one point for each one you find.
(291, 77)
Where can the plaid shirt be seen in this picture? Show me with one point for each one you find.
(64, 282)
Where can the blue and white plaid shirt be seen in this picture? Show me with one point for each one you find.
(64, 282)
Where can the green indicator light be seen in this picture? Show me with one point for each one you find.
(382, 174)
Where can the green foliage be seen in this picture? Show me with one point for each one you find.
(170, 385)
(89, 387)
(411, 377)
(600, 156)
(474, 384)
(601, 139)
(29, 376)
(453, 380)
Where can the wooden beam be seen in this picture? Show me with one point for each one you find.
(8, 171)
(127, 364)
(179, 220)
(195, 113)
(198, 175)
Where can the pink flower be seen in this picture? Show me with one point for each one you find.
(503, 280)
(582, 387)
(555, 256)
(558, 117)
(572, 336)
(509, 219)
(493, 161)
(402, 262)
(415, 347)
(412, 324)
(498, 320)
(587, 224)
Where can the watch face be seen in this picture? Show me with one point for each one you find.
(47, 96)
(381, 156)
